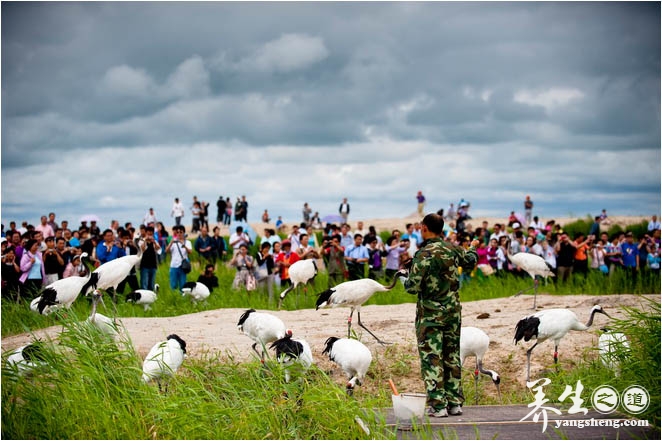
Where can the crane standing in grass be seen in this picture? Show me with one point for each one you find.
(352, 356)
(474, 341)
(534, 265)
(551, 324)
(353, 294)
(300, 272)
(434, 279)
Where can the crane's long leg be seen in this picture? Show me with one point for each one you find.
(528, 362)
(358, 313)
(476, 372)
(283, 294)
(535, 291)
(349, 323)
(556, 357)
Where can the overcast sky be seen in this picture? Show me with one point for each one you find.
(110, 108)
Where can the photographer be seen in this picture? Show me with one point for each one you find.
(334, 255)
(54, 263)
(565, 252)
(10, 274)
(356, 256)
(582, 247)
(151, 249)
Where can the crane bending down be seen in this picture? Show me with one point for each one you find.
(353, 294)
(262, 328)
(289, 351)
(613, 347)
(534, 265)
(352, 356)
(551, 324)
(474, 341)
(164, 359)
(103, 323)
(301, 272)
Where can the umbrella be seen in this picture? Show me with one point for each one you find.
(90, 218)
(333, 218)
(521, 219)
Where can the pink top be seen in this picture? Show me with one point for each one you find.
(482, 256)
(26, 265)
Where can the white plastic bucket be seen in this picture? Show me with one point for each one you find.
(408, 406)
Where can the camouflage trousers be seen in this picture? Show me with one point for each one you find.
(438, 335)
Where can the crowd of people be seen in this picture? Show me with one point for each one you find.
(34, 256)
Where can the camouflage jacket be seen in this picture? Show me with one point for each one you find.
(434, 273)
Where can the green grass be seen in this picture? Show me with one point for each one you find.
(18, 318)
(91, 388)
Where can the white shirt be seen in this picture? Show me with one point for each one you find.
(176, 258)
(149, 218)
(177, 209)
(549, 255)
(243, 239)
(653, 225)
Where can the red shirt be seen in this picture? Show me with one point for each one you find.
(287, 259)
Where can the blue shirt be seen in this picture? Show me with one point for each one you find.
(630, 253)
(106, 256)
(357, 252)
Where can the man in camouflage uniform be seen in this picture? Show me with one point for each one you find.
(434, 278)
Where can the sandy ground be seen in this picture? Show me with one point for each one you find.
(399, 223)
(215, 331)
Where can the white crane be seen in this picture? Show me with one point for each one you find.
(612, 348)
(143, 297)
(534, 265)
(105, 324)
(59, 294)
(353, 294)
(263, 328)
(112, 273)
(352, 356)
(27, 357)
(474, 342)
(164, 359)
(198, 291)
(301, 272)
(289, 351)
(551, 324)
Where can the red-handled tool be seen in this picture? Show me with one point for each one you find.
(393, 388)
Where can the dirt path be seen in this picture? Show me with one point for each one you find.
(216, 331)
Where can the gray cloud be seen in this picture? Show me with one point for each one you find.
(290, 102)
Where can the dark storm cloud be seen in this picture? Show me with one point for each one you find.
(555, 78)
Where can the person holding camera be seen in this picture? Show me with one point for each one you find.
(356, 257)
(32, 266)
(53, 262)
(151, 249)
(108, 249)
(334, 258)
(582, 247)
(10, 274)
(565, 257)
(179, 249)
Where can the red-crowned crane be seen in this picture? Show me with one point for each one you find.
(164, 359)
(474, 342)
(59, 294)
(143, 297)
(352, 356)
(551, 324)
(353, 294)
(263, 328)
(27, 357)
(301, 272)
(290, 350)
(112, 273)
(613, 347)
(533, 264)
(198, 291)
(103, 323)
